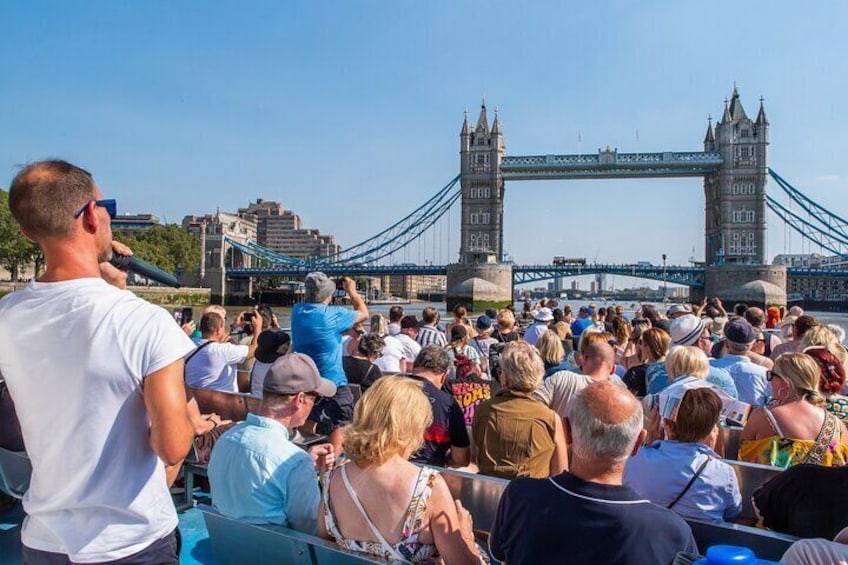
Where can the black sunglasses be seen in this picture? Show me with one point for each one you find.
(771, 374)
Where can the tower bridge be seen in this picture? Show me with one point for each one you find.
(733, 165)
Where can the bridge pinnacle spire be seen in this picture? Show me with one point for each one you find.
(465, 124)
(761, 115)
(496, 126)
(736, 111)
(483, 119)
(710, 136)
(725, 118)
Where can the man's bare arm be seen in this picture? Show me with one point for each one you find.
(356, 300)
(171, 431)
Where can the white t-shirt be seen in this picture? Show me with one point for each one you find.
(74, 357)
(389, 361)
(257, 378)
(410, 347)
(214, 366)
(558, 390)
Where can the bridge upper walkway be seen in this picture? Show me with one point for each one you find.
(611, 164)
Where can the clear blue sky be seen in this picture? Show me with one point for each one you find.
(349, 112)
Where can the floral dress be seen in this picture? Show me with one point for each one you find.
(409, 548)
(779, 451)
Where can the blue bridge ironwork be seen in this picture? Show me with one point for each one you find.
(682, 275)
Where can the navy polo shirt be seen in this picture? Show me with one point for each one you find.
(565, 519)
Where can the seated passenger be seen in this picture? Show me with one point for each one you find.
(682, 472)
(359, 367)
(391, 356)
(653, 347)
(831, 380)
(517, 435)
(807, 501)
(691, 331)
(256, 473)
(598, 360)
(553, 354)
(817, 552)
(586, 515)
(464, 359)
(749, 378)
(369, 499)
(798, 429)
(446, 438)
(213, 364)
(271, 345)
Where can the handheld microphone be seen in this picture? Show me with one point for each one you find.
(143, 268)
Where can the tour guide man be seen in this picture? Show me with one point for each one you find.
(96, 374)
(317, 330)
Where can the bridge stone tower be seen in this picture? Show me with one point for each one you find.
(735, 203)
(480, 280)
(482, 186)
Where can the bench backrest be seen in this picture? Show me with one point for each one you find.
(480, 495)
(238, 543)
(765, 544)
(751, 476)
(729, 437)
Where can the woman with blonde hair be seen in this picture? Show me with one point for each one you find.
(369, 498)
(798, 429)
(688, 360)
(515, 434)
(505, 327)
(553, 355)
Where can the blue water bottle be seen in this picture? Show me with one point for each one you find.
(731, 555)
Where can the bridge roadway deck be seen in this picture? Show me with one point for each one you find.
(683, 275)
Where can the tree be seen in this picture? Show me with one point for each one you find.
(170, 248)
(16, 251)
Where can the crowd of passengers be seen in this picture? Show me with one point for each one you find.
(593, 406)
(609, 424)
(606, 427)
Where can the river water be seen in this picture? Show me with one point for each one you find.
(284, 314)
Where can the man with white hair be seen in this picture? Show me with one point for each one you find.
(750, 378)
(587, 515)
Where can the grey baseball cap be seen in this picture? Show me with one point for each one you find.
(296, 372)
(318, 287)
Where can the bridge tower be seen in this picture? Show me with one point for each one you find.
(480, 280)
(481, 151)
(735, 196)
(735, 202)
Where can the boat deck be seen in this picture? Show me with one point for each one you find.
(196, 547)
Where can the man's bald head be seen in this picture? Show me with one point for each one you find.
(605, 420)
(755, 316)
(599, 359)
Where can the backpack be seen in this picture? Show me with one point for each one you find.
(464, 366)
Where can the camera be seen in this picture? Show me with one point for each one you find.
(340, 283)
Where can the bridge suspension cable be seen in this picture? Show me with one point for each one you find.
(829, 221)
(833, 242)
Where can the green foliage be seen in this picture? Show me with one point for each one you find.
(169, 247)
(15, 250)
